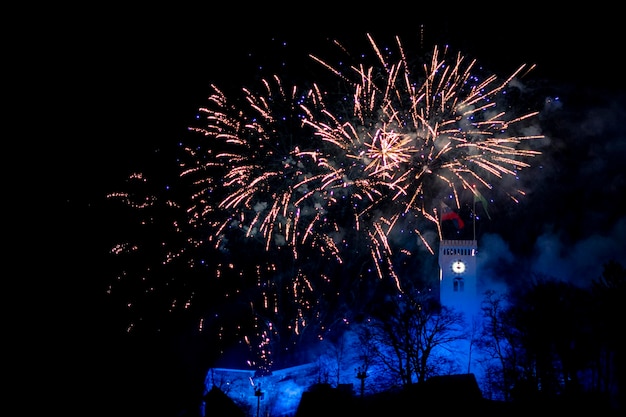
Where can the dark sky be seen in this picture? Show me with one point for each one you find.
(133, 80)
(125, 83)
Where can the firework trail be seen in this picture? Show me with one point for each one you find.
(331, 176)
(405, 142)
(384, 158)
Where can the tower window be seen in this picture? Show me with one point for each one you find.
(458, 284)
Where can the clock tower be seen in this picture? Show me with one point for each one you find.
(457, 276)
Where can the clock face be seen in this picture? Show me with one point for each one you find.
(458, 267)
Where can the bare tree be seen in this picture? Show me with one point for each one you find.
(497, 340)
(406, 333)
(609, 293)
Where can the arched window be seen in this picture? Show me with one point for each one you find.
(458, 284)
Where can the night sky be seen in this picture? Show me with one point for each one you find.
(127, 84)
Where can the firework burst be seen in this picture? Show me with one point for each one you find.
(332, 178)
